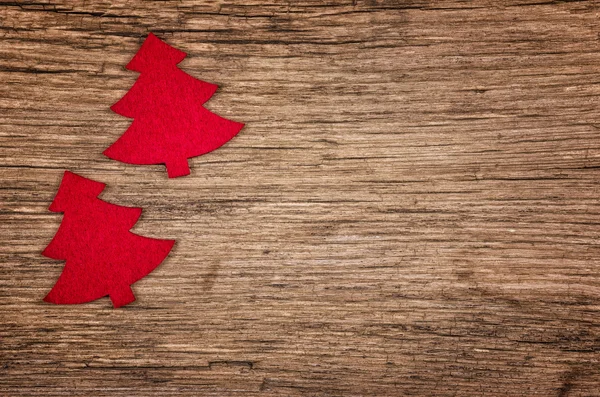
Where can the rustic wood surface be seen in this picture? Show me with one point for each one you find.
(411, 209)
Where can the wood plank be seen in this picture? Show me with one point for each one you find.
(411, 209)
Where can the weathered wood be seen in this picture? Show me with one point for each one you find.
(411, 209)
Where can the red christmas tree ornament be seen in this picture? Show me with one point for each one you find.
(170, 124)
(102, 256)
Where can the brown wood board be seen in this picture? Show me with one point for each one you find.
(411, 209)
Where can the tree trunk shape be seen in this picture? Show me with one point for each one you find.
(177, 167)
(121, 296)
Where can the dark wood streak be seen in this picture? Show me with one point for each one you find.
(411, 209)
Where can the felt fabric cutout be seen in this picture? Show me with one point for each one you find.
(102, 256)
(170, 125)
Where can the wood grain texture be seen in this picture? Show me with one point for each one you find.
(411, 209)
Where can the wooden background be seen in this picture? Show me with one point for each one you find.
(411, 209)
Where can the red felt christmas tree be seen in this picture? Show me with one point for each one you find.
(170, 124)
(102, 256)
